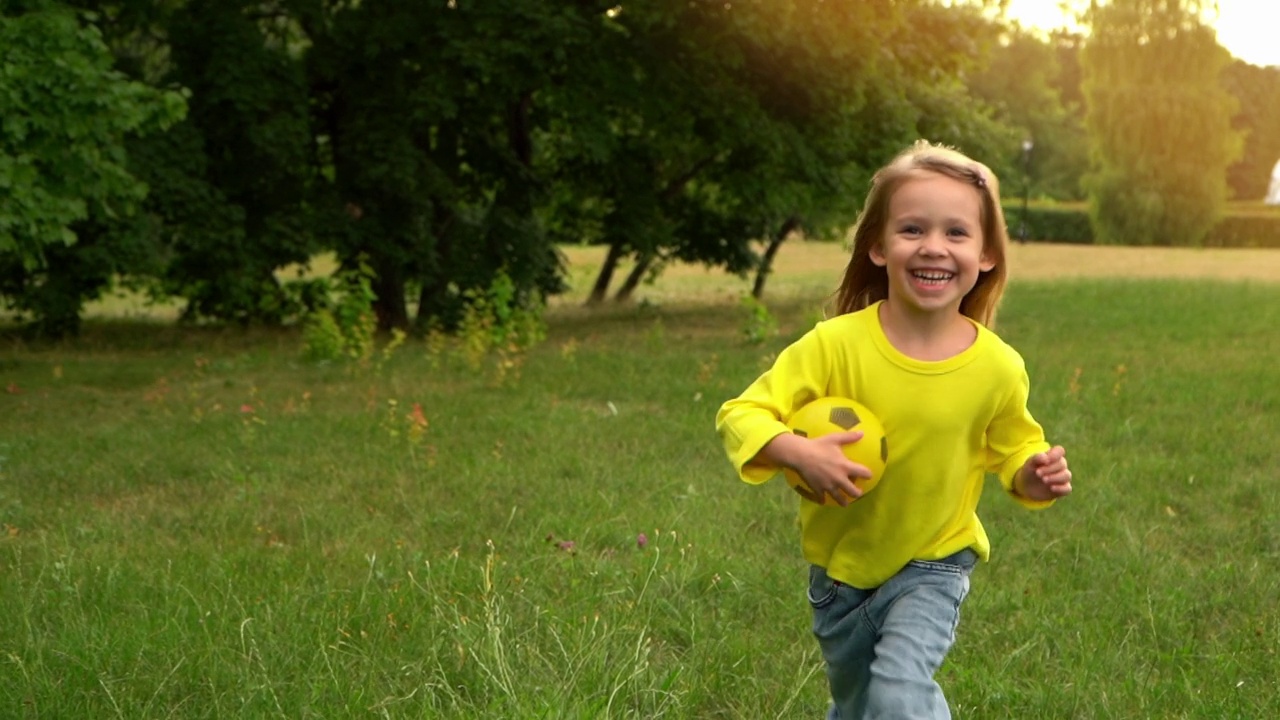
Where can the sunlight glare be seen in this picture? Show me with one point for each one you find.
(1244, 27)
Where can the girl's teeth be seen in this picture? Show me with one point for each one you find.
(936, 277)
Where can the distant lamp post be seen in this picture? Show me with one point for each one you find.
(1027, 146)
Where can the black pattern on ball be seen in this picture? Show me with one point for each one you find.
(844, 417)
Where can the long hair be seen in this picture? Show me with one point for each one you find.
(864, 282)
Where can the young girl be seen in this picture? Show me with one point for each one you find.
(912, 341)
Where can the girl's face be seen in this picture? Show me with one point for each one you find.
(932, 247)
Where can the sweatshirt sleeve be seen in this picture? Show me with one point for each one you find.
(1013, 437)
(748, 422)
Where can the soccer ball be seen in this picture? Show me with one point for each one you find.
(834, 414)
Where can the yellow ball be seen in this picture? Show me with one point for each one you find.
(835, 414)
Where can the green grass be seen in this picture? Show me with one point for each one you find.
(199, 523)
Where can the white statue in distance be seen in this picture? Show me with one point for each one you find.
(1273, 193)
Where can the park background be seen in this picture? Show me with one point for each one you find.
(360, 358)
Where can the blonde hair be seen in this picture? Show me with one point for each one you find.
(864, 282)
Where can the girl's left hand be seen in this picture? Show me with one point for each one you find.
(1045, 476)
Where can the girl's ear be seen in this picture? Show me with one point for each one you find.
(986, 264)
(876, 253)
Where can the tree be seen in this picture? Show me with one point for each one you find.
(234, 182)
(1024, 84)
(1159, 122)
(637, 128)
(397, 132)
(748, 121)
(1257, 90)
(67, 116)
(448, 145)
(426, 114)
(719, 124)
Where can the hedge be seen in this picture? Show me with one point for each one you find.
(1242, 228)
(1246, 231)
(1050, 223)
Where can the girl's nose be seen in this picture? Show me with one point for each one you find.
(932, 244)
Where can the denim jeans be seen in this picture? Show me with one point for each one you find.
(882, 646)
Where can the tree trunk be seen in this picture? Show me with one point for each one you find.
(789, 226)
(433, 296)
(601, 288)
(388, 301)
(633, 280)
(519, 136)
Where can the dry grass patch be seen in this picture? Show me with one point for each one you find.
(803, 268)
(1044, 261)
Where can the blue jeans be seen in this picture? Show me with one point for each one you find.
(882, 646)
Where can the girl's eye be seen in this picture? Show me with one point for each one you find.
(958, 232)
(910, 230)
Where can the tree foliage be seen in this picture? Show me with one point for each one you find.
(1159, 122)
(716, 124)
(69, 217)
(1257, 91)
(238, 173)
(426, 116)
(1029, 86)
(451, 145)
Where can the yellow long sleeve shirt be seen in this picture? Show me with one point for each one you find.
(947, 424)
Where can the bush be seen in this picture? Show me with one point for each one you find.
(500, 318)
(342, 325)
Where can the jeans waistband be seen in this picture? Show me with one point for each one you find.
(964, 558)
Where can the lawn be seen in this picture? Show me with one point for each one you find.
(197, 522)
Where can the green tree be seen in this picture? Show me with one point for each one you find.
(426, 114)
(719, 124)
(1159, 122)
(637, 132)
(450, 143)
(1023, 83)
(395, 131)
(233, 183)
(65, 118)
(1257, 90)
(940, 49)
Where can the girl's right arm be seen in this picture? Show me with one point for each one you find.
(819, 461)
(757, 439)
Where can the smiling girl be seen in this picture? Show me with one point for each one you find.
(912, 340)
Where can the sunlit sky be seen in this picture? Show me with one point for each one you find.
(1250, 29)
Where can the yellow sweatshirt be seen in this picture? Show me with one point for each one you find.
(947, 424)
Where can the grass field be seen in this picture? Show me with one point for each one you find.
(198, 523)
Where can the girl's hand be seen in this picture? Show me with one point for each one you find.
(1045, 476)
(822, 463)
(824, 468)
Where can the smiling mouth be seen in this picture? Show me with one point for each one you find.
(932, 277)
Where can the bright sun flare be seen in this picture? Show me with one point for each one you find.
(1245, 27)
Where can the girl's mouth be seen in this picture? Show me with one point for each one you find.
(932, 277)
